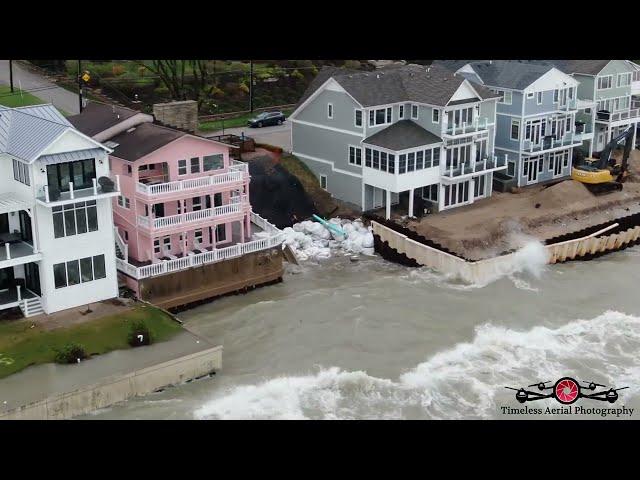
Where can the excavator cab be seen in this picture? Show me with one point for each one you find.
(603, 174)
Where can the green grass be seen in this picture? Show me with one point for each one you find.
(17, 98)
(241, 121)
(22, 346)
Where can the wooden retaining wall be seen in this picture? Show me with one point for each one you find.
(398, 247)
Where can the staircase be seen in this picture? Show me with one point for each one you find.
(119, 252)
(122, 249)
(31, 307)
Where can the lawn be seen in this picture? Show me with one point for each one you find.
(17, 98)
(22, 346)
(241, 121)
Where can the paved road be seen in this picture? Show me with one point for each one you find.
(279, 135)
(42, 88)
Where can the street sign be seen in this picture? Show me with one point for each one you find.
(86, 77)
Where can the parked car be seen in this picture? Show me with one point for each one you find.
(267, 118)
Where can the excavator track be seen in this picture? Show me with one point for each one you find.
(603, 188)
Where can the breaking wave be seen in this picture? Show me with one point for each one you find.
(466, 381)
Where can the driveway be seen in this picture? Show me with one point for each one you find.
(39, 86)
(278, 135)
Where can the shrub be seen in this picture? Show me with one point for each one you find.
(139, 334)
(70, 353)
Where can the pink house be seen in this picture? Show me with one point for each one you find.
(184, 227)
(181, 194)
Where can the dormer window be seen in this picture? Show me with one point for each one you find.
(414, 112)
(435, 115)
(380, 116)
(401, 112)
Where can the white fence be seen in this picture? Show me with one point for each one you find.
(204, 258)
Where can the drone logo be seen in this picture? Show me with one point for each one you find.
(567, 391)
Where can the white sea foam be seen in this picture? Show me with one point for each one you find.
(466, 381)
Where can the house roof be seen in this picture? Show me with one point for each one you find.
(140, 141)
(512, 74)
(433, 85)
(26, 131)
(97, 117)
(585, 67)
(401, 136)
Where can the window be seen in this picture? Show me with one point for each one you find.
(436, 157)
(604, 82)
(380, 116)
(529, 94)
(367, 158)
(401, 112)
(358, 117)
(166, 244)
(376, 159)
(195, 165)
(383, 161)
(196, 204)
(511, 168)
(182, 167)
(355, 156)
(539, 98)
(81, 173)
(156, 246)
(329, 110)
(212, 162)
(419, 160)
(435, 115)
(411, 162)
(221, 231)
(124, 202)
(197, 236)
(21, 172)
(507, 98)
(76, 271)
(323, 182)
(402, 167)
(414, 112)
(624, 79)
(392, 163)
(74, 219)
(556, 94)
(515, 129)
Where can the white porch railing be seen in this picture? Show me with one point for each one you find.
(204, 258)
(236, 205)
(477, 125)
(617, 116)
(73, 193)
(483, 165)
(235, 174)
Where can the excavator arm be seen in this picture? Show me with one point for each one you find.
(605, 155)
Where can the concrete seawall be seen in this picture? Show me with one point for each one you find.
(119, 388)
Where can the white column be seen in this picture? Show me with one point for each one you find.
(34, 236)
(635, 128)
(388, 205)
(411, 202)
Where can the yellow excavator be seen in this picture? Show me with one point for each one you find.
(604, 175)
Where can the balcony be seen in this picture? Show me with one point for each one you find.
(48, 198)
(583, 133)
(635, 87)
(479, 124)
(473, 168)
(570, 106)
(16, 252)
(550, 143)
(618, 117)
(269, 237)
(238, 172)
(237, 206)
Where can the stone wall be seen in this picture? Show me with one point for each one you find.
(182, 115)
(119, 388)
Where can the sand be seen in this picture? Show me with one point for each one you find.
(506, 220)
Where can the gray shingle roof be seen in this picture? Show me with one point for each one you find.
(144, 139)
(513, 74)
(97, 117)
(402, 135)
(586, 67)
(433, 85)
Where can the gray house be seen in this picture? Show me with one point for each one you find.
(372, 137)
(608, 97)
(536, 117)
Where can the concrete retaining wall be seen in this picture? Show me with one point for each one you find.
(478, 272)
(119, 388)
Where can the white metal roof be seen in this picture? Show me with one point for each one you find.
(71, 156)
(11, 202)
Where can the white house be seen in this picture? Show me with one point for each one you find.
(57, 248)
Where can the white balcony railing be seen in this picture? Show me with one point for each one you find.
(617, 116)
(479, 124)
(479, 166)
(204, 258)
(46, 194)
(236, 173)
(236, 205)
(547, 143)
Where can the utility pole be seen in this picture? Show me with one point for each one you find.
(80, 84)
(251, 86)
(11, 74)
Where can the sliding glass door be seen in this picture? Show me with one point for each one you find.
(81, 173)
